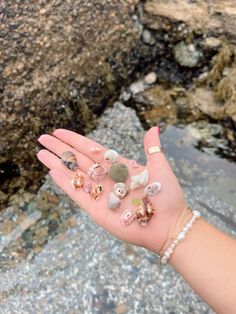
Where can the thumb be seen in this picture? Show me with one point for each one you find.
(152, 145)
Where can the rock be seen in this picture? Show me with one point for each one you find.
(121, 309)
(212, 42)
(150, 78)
(137, 87)
(59, 64)
(209, 16)
(148, 38)
(186, 55)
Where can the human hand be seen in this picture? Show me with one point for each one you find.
(168, 203)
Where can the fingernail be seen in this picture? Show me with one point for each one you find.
(158, 130)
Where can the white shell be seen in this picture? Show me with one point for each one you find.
(120, 189)
(152, 189)
(126, 217)
(139, 180)
(111, 156)
(113, 201)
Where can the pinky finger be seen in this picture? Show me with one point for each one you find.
(64, 182)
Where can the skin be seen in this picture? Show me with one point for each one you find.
(198, 258)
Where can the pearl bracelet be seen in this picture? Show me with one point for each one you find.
(163, 259)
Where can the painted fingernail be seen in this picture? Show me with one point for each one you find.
(158, 130)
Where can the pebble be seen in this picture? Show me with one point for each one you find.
(137, 87)
(212, 42)
(150, 78)
(147, 38)
(186, 55)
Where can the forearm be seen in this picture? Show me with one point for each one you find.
(207, 261)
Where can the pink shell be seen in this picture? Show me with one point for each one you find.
(133, 163)
(127, 217)
(87, 186)
(95, 150)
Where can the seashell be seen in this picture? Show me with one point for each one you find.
(97, 172)
(77, 182)
(86, 186)
(126, 217)
(111, 156)
(133, 163)
(152, 189)
(69, 160)
(113, 201)
(97, 192)
(139, 180)
(95, 150)
(120, 189)
(144, 212)
(119, 172)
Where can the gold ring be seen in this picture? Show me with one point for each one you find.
(154, 149)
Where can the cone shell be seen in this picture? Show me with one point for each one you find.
(113, 201)
(127, 217)
(111, 156)
(97, 192)
(120, 189)
(77, 182)
(145, 212)
(69, 160)
(152, 189)
(119, 172)
(139, 180)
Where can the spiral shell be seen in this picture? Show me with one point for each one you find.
(77, 182)
(119, 172)
(69, 160)
(144, 212)
(97, 192)
(126, 217)
(120, 189)
(111, 156)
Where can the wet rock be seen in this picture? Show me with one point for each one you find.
(60, 64)
(186, 55)
(147, 37)
(209, 16)
(121, 309)
(150, 78)
(137, 87)
(212, 42)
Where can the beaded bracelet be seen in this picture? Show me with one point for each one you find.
(163, 258)
(184, 217)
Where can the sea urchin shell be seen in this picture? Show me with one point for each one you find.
(119, 172)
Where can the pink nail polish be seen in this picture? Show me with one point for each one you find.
(158, 130)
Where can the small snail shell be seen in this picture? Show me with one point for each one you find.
(120, 189)
(111, 156)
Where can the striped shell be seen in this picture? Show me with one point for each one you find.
(69, 160)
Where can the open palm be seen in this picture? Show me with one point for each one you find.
(168, 203)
